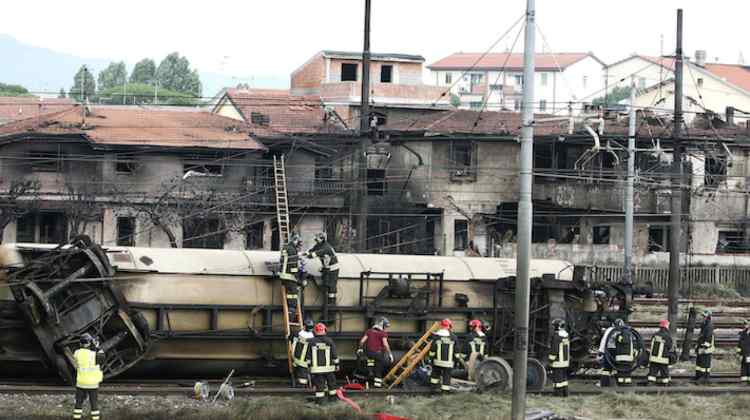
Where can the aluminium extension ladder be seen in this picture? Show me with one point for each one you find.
(411, 359)
(282, 215)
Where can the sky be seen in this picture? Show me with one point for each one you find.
(256, 39)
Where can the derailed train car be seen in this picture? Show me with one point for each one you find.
(208, 311)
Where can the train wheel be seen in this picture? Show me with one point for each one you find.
(536, 375)
(493, 373)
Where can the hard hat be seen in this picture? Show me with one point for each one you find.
(309, 324)
(446, 323)
(86, 340)
(558, 324)
(320, 328)
(475, 324)
(384, 322)
(619, 323)
(664, 323)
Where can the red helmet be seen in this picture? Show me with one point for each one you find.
(446, 323)
(663, 323)
(475, 324)
(320, 328)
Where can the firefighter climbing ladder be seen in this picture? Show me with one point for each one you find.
(411, 359)
(282, 215)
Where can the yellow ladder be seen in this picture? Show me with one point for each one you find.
(282, 217)
(411, 359)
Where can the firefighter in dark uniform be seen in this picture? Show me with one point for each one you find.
(476, 342)
(705, 348)
(743, 351)
(559, 358)
(289, 272)
(374, 345)
(329, 271)
(300, 344)
(624, 353)
(442, 352)
(661, 355)
(323, 363)
(89, 375)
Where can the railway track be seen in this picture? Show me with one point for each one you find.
(703, 302)
(683, 324)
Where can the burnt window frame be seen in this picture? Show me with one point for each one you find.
(125, 238)
(714, 172)
(55, 221)
(599, 233)
(126, 167)
(203, 233)
(45, 162)
(460, 234)
(255, 231)
(206, 169)
(346, 75)
(462, 158)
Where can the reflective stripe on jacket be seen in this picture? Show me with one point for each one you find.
(321, 355)
(624, 350)
(443, 348)
(560, 352)
(88, 373)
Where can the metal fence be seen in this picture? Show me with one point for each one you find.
(728, 276)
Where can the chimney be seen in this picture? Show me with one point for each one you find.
(700, 57)
(730, 116)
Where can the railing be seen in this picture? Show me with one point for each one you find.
(731, 277)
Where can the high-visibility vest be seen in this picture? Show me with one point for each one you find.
(708, 350)
(478, 344)
(624, 348)
(88, 373)
(560, 355)
(321, 360)
(443, 348)
(658, 348)
(299, 351)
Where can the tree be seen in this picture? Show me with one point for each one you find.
(62, 94)
(84, 85)
(455, 100)
(114, 75)
(21, 197)
(618, 93)
(140, 94)
(174, 73)
(144, 72)
(81, 206)
(13, 90)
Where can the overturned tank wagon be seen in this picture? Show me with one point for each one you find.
(209, 311)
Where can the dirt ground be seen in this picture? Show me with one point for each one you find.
(464, 406)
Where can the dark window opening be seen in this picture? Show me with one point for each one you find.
(715, 172)
(349, 72)
(476, 105)
(254, 236)
(202, 233)
(43, 228)
(259, 118)
(570, 235)
(448, 78)
(463, 156)
(601, 235)
(658, 239)
(45, 162)
(125, 167)
(205, 170)
(386, 74)
(732, 242)
(542, 105)
(376, 182)
(126, 231)
(460, 235)
(323, 169)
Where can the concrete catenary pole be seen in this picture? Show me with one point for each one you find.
(364, 130)
(676, 216)
(628, 269)
(520, 358)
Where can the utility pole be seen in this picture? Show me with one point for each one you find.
(364, 132)
(676, 216)
(628, 269)
(520, 357)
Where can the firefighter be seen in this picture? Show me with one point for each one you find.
(289, 272)
(607, 356)
(704, 350)
(323, 363)
(624, 353)
(87, 359)
(441, 354)
(743, 350)
(330, 265)
(299, 352)
(374, 345)
(476, 342)
(661, 355)
(559, 358)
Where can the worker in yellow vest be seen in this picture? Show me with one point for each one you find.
(88, 375)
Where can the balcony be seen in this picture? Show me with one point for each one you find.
(384, 93)
(603, 196)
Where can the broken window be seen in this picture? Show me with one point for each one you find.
(259, 118)
(348, 72)
(463, 158)
(715, 172)
(601, 235)
(732, 242)
(125, 167)
(254, 236)
(460, 235)
(658, 239)
(43, 228)
(376, 182)
(126, 231)
(203, 169)
(386, 73)
(45, 162)
(205, 233)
